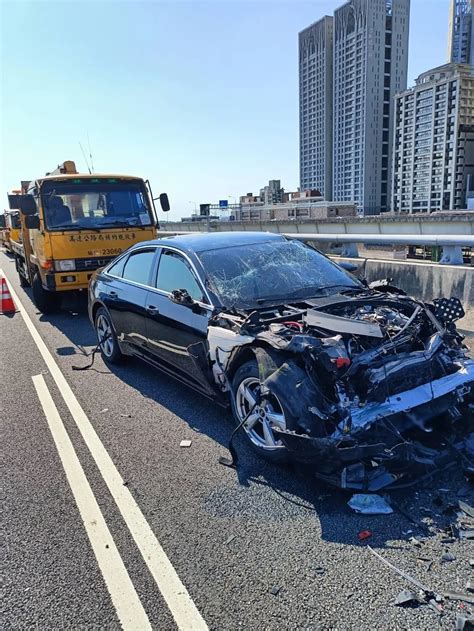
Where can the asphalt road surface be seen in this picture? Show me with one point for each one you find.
(107, 522)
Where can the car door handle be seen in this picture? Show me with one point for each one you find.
(152, 309)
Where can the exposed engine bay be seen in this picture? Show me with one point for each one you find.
(375, 386)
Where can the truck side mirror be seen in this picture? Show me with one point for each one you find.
(32, 222)
(25, 203)
(164, 202)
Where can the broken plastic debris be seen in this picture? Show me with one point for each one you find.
(104, 410)
(185, 443)
(319, 570)
(364, 534)
(448, 557)
(464, 623)
(369, 504)
(458, 596)
(415, 542)
(275, 591)
(466, 508)
(407, 598)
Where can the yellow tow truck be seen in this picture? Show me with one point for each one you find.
(72, 224)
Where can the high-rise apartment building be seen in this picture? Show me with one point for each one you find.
(316, 81)
(351, 67)
(273, 193)
(433, 156)
(370, 67)
(461, 32)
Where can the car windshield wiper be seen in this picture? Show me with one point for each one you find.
(307, 291)
(345, 288)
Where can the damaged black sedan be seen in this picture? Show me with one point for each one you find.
(365, 385)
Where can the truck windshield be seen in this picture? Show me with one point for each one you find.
(84, 203)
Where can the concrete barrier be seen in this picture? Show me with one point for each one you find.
(423, 280)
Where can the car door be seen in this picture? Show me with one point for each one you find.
(175, 331)
(126, 295)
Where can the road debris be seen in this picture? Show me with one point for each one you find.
(458, 596)
(470, 586)
(464, 623)
(185, 443)
(448, 557)
(104, 410)
(469, 510)
(415, 542)
(429, 593)
(369, 504)
(275, 591)
(407, 598)
(230, 539)
(364, 534)
(319, 570)
(410, 518)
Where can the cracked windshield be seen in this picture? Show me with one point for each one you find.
(249, 275)
(95, 204)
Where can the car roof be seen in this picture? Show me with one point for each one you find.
(198, 242)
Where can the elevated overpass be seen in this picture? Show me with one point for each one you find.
(449, 223)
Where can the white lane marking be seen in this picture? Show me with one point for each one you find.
(182, 607)
(122, 592)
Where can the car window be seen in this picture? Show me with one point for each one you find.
(138, 267)
(174, 273)
(117, 268)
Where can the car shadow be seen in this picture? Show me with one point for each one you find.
(296, 490)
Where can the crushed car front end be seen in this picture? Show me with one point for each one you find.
(376, 387)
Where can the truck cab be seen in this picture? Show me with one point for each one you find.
(74, 223)
(12, 229)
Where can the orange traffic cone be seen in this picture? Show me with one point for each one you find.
(6, 301)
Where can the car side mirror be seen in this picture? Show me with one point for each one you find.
(25, 203)
(181, 297)
(32, 222)
(348, 266)
(164, 202)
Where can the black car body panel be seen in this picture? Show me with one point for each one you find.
(375, 384)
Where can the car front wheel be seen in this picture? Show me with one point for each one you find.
(263, 416)
(106, 337)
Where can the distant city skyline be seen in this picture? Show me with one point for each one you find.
(198, 97)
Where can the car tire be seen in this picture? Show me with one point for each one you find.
(46, 301)
(258, 428)
(110, 350)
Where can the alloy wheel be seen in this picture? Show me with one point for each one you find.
(265, 415)
(104, 335)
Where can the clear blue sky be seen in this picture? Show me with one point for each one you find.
(200, 97)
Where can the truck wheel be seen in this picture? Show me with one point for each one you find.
(45, 301)
(23, 281)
